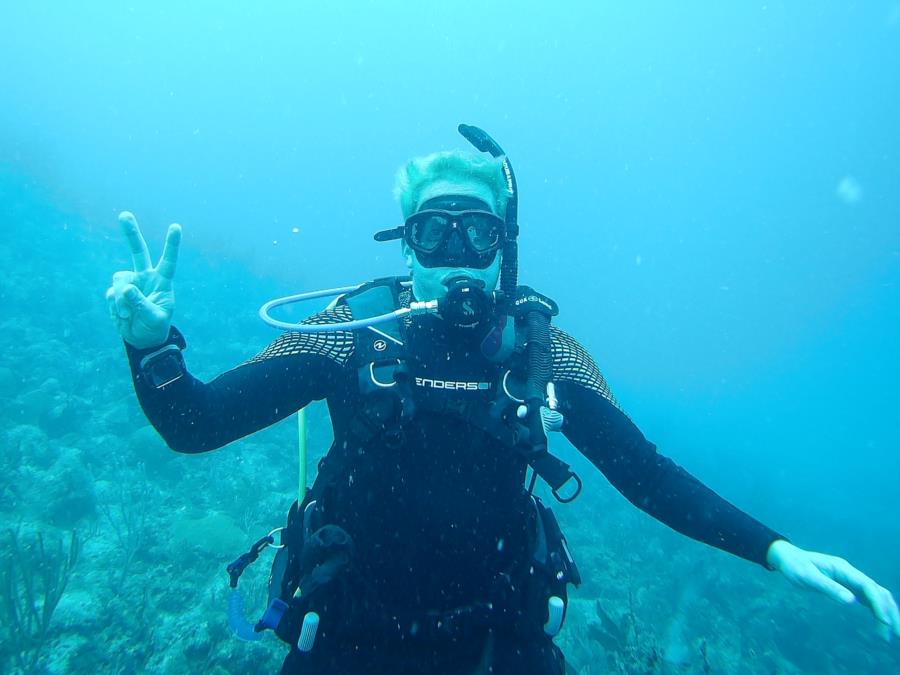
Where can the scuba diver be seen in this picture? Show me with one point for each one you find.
(421, 546)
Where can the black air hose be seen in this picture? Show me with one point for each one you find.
(540, 359)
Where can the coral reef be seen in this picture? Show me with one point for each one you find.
(33, 579)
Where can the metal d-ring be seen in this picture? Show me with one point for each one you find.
(574, 495)
(383, 385)
(271, 536)
(506, 389)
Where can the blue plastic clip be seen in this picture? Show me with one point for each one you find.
(273, 614)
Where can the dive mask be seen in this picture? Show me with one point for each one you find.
(443, 238)
(452, 231)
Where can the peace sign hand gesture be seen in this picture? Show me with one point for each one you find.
(141, 302)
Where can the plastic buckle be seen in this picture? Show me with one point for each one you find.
(164, 366)
(236, 569)
(272, 616)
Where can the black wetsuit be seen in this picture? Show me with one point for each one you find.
(438, 514)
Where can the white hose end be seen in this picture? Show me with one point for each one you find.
(426, 307)
(308, 632)
(552, 401)
(556, 610)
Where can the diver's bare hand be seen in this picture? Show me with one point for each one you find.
(838, 579)
(141, 302)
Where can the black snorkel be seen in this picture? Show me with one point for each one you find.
(509, 263)
(539, 409)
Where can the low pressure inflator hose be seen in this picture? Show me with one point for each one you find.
(241, 628)
(414, 309)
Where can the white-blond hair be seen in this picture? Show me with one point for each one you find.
(464, 173)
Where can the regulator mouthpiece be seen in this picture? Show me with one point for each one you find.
(466, 306)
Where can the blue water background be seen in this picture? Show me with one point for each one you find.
(711, 191)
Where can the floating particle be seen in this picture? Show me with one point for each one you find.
(295, 230)
(849, 190)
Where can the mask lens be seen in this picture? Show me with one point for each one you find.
(482, 230)
(428, 233)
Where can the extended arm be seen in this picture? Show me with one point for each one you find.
(655, 484)
(193, 416)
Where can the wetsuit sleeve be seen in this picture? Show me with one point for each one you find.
(193, 416)
(610, 440)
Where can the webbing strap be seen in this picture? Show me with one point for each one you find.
(373, 299)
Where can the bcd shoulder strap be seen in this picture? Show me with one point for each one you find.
(384, 342)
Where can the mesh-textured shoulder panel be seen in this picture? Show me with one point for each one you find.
(572, 363)
(404, 297)
(336, 345)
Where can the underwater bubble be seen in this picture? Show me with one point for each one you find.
(295, 230)
(849, 190)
